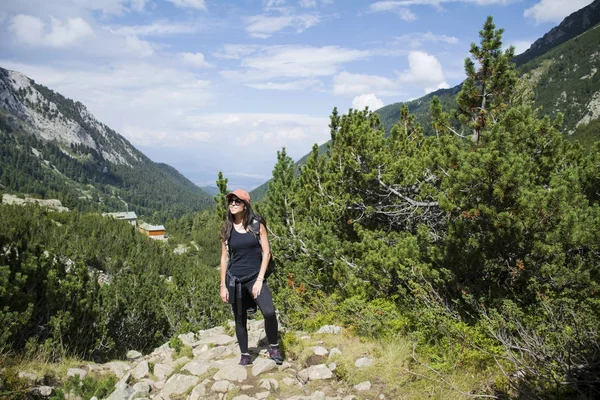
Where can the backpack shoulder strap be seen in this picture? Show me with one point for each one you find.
(255, 226)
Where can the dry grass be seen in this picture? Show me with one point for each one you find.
(396, 372)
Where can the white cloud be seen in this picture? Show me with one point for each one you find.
(262, 26)
(308, 3)
(393, 5)
(34, 32)
(424, 70)
(133, 97)
(253, 133)
(288, 86)
(139, 46)
(367, 100)
(554, 10)
(269, 62)
(157, 28)
(236, 51)
(141, 136)
(346, 83)
(401, 7)
(195, 59)
(521, 45)
(63, 9)
(415, 40)
(197, 4)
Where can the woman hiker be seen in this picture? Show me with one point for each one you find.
(245, 255)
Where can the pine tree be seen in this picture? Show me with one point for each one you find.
(220, 199)
(486, 91)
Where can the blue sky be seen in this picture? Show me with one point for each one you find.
(209, 86)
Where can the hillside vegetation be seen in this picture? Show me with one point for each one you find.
(482, 248)
(91, 286)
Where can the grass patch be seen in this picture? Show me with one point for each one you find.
(394, 371)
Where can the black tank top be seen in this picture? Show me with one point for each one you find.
(246, 253)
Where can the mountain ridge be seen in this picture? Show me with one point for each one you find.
(54, 146)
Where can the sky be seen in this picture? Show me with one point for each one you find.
(217, 85)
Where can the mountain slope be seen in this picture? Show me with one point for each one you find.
(54, 147)
(572, 44)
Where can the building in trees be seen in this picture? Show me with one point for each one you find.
(153, 231)
(128, 216)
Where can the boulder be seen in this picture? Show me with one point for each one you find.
(333, 329)
(142, 370)
(262, 365)
(363, 362)
(179, 384)
(366, 385)
(199, 392)
(236, 373)
(320, 350)
(222, 386)
(81, 373)
(196, 367)
(162, 371)
(122, 392)
(133, 355)
(315, 372)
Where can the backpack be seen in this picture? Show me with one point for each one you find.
(255, 227)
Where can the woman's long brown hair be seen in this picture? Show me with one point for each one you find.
(249, 215)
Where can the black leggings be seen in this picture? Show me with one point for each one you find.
(265, 303)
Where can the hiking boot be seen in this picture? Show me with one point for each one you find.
(245, 360)
(275, 355)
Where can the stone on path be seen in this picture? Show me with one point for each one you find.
(363, 362)
(244, 397)
(290, 381)
(222, 386)
(270, 383)
(217, 340)
(199, 392)
(363, 386)
(142, 370)
(162, 371)
(196, 367)
(315, 372)
(133, 355)
(81, 373)
(122, 392)
(31, 377)
(262, 365)
(210, 354)
(236, 373)
(333, 329)
(188, 339)
(118, 368)
(320, 350)
(262, 395)
(43, 391)
(335, 352)
(142, 387)
(179, 384)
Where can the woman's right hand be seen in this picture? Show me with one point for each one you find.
(224, 294)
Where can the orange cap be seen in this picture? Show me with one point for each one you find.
(240, 194)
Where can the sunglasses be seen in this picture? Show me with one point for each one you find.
(236, 202)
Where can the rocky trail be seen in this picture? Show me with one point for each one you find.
(213, 371)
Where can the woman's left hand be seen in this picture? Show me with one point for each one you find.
(256, 288)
